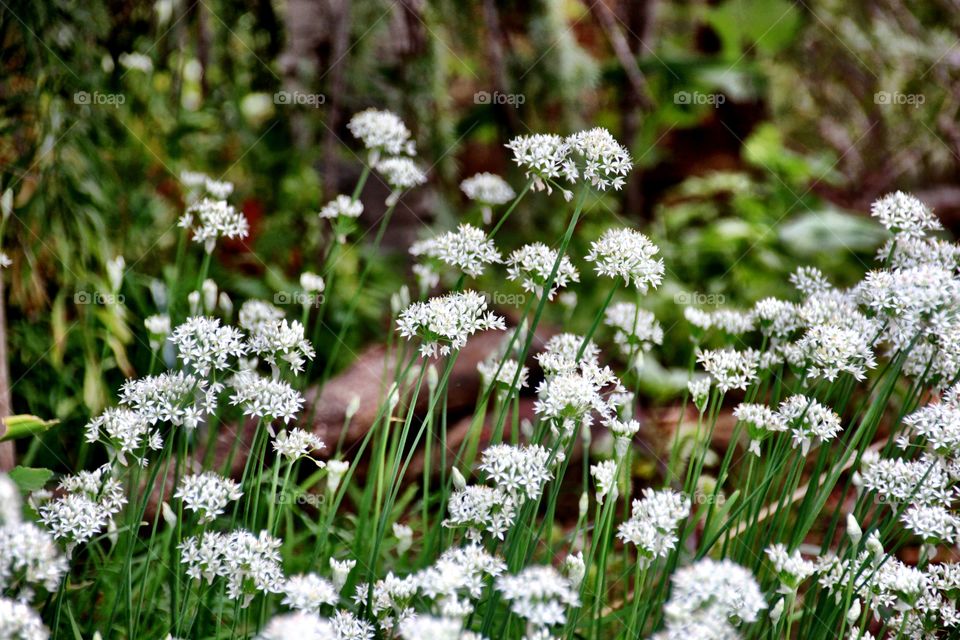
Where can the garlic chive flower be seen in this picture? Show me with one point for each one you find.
(729, 321)
(312, 283)
(520, 471)
(488, 190)
(808, 421)
(636, 330)
(298, 624)
(381, 132)
(570, 398)
(445, 323)
(158, 328)
(532, 265)
(833, 349)
(278, 341)
(790, 568)
(467, 248)
(560, 354)
(761, 421)
(730, 369)
(623, 433)
(699, 390)
(539, 595)
(265, 398)
(19, 620)
(88, 504)
(904, 214)
(309, 593)
(125, 432)
(204, 345)
(342, 207)
(400, 174)
(605, 475)
(715, 595)
(207, 494)
(605, 161)
(296, 444)
(481, 509)
(652, 526)
(29, 558)
(175, 397)
(544, 158)
(340, 570)
(628, 254)
(255, 313)
(215, 219)
(249, 563)
(492, 371)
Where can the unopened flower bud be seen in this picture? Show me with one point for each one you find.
(335, 471)
(352, 407)
(853, 614)
(433, 378)
(584, 504)
(209, 289)
(459, 482)
(193, 299)
(777, 612)
(575, 569)
(853, 529)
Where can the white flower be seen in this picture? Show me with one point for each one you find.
(544, 158)
(571, 397)
(204, 344)
(487, 188)
(447, 321)
(175, 397)
(341, 569)
(718, 591)
(347, 626)
(791, 568)
(628, 254)
(518, 470)
(5, 260)
(382, 131)
(308, 593)
(299, 625)
(255, 313)
(699, 390)
(335, 471)
(158, 328)
(342, 206)
(481, 508)
(809, 420)
(265, 398)
(19, 621)
(279, 340)
(539, 595)
(761, 421)
(10, 501)
(400, 173)
(493, 371)
(29, 557)
(312, 283)
(777, 318)
(730, 369)
(404, 535)
(832, 349)
(208, 494)
(902, 213)
(533, 263)
(249, 563)
(637, 330)
(623, 434)
(90, 501)
(296, 443)
(573, 565)
(809, 281)
(921, 481)
(562, 354)
(653, 523)
(728, 321)
(467, 248)
(216, 219)
(126, 432)
(934, 523)
(605, 161)
(605, 475)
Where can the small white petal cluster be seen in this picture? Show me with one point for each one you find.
(937, 424)
(207, 494)
(481, 509)
(934, 523)
(729, 368)
(502, 373)
(729, 321)
(249, 563)
(158, 328)
(296, 443)
(808, 421)
(125, 432)
(18, 621)
(699, 390)
(636, 330)
(791, 568)
(628, 254)
(10, 501)
(309, 592)
(280, 341)
(199, 182)
(89, 501)
(265, 398)
(761, 422)
(312, 283)
(605, 475)
(445, 323)
(605, 161)
(539, 595)
(571, 397)
(923, 481)
(342, 207)
(834, 349)
(215, 219)
(904, 214)
(382, 131)
(623, 432)
(340, 570)
(204, 344)
(487, 188)
(401, 173)
(467, 248)
(520, 471)
(653, 523)
(255, 313)
(532, 264)
(303, 626)
(545, 158)
(561, 354)
(713, 595)
(175, 397)
(29, 558)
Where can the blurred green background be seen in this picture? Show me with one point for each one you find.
(761, 129)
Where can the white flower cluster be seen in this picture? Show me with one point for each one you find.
(125, 432)
(761, 422)
(532, 264)
(19, 621)
(296, 443)
(309, 593)
(446, 322)
(215, 219)
(467, 248)
(605, 475)
(729, 321)
(628, 254)
(88, 503)
(518, 471)
(256, 313)
(281, 341)
(545, 157)
(808, 421)
(488, 189)
(204, 344)
(636, 330)
(207, 494)
(493, 370)
(198, 182)
(382, 131)
(400, 174)
(652, 526)
(904, 214)
(249, 563)
(605, 161)
(790, 568)
(29, 558)
(264, 397)
(571, 397)
(539, 595)
(342, 207)
(175, 397)
(729, 368)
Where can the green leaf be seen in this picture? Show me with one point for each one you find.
(22, 426)
(30, 478)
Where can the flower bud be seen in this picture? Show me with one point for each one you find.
(459, 482)
(853, 529)
(777, 612)
(335, 471)
(209, 289)
(853, 614)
